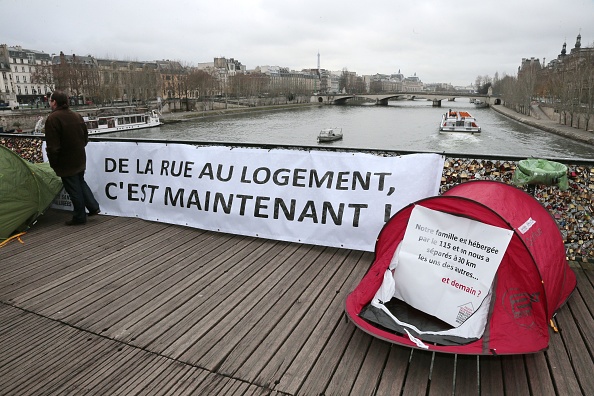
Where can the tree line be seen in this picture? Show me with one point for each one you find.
(567, 86)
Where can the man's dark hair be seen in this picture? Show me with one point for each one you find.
(61, 98)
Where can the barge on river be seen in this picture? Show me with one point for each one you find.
(458, 121)
(117, 119)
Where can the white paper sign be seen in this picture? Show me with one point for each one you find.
(447, 263)
(324, 198)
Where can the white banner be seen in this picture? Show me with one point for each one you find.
(315, 197)
(446, 263)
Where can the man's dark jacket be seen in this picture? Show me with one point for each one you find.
(66, 136)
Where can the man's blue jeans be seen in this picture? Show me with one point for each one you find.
(80, 195)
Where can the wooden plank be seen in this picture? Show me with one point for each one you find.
(394, 374)
(43, 245)
(581, 305)
(515, 377)
(559, 361)
(10, 317)
(189, 382)
(54, 357)
(164, 385)
(417, 378)
(273, 356)
(308, 338)
(41, 233)
(261, 310)
(37, 368)
(131, 296)
(232, 387)
(182, 327)
(91, 301)
(142, 372)
(223, 332)
(370, 373)
(20, 345)
(96, 280)
(467, 376)
(539, 377)
(110, 372)
(491, 375)
(68, 362)
(25, 335)
(585, 282)
(581, 362)
(254, 390)
(275, 325)
(314, 380)
(442, 374)
(346, 372)
(24, 356)
(181, 293)
(54, 286)
(210, 385)
(40, 264)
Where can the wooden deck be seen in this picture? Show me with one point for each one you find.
(128, 307)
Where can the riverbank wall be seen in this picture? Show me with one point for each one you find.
(572, 209)
(546, 124)
(26, 119)
(173, 117)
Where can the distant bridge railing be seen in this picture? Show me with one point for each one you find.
(383, 98)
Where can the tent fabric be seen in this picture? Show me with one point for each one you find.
(531, 283)
(26, 191)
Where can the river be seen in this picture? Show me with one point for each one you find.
(402, 125)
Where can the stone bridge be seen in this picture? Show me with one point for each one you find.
(382, 99)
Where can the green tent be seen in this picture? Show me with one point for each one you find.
(26, 191)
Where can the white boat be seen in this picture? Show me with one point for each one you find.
(330, 135)
(458, 121)
(480, 104)
(117, 119)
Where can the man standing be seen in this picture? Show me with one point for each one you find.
(66, 137)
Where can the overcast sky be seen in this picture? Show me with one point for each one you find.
(449, 41)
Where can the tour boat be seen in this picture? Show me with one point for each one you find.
(330, 135)
(117, 119)
(458, 121)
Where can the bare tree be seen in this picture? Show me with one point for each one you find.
(588, 92)
(202, 83)
(42, 74)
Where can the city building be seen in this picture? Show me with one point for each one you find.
(385, 83)
(283, 82)
(412, 84)
(564, 77)
(7, 91)
(23, 77)
(172, 82)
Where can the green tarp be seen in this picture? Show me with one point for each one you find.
(26, 191)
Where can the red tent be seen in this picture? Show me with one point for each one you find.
(533, 279)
